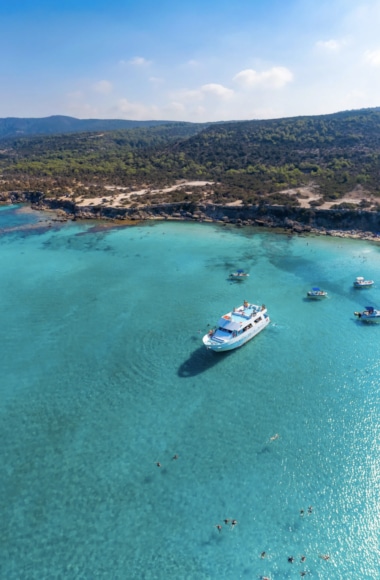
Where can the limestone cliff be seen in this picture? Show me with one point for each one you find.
(346, 221)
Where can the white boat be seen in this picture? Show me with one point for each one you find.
(239, 275)
(316, 293)
(360, 282)
(370, 314)
(237, 327)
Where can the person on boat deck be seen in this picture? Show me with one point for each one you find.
(245, 304)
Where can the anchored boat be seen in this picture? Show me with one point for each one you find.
(360, 282)
(237, 327)
(370, 314)
(316, 293)
(239, 275)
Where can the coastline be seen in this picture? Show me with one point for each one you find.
(344, 223)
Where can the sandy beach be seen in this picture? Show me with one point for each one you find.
(307, 196)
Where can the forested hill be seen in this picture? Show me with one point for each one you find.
(337, 151)
(286, 140)
(57, 124)
(247, 160)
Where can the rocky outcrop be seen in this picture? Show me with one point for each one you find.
(31, 197)
(333, 221)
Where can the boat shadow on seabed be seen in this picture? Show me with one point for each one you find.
(200, 361)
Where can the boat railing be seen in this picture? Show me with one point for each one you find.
(240, 313)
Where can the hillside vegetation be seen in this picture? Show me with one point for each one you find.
(56, 124)
(251, 161)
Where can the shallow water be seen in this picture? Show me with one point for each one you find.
(103, 374)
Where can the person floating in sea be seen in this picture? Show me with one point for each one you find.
(226, 521)
(303, 558)
(158, 464)
(175, 457)
(218, 527)
(263, 554)
(290, 559)
(310, 509)
(302, 512)
(324, 556)
(234, 523)
(274, 437)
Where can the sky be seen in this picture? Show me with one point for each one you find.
(188, 60)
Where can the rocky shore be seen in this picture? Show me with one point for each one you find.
(335, 222)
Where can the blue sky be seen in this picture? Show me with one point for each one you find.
(198, 60)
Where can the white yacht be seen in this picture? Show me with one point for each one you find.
(360, 282)
(237, 327)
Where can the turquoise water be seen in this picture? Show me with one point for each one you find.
(103, 374)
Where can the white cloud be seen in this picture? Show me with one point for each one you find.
(137, 110)
(265, 113)
(273, 78)
(84, 110)
(75, 95)
(187, 95)
(217, 90)
(356, 99)
(174, 110)
(372, 57)
(179, 107)
(329, 45)
(156, 80)
(103, 87)
(210, 89)
(139, 61)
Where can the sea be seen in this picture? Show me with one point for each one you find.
(130, 451)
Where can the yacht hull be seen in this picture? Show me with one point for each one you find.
(235, 342)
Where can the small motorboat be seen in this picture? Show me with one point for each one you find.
(316, 293)
(370, 314)
(360, 282)
(238, 275)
